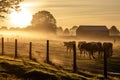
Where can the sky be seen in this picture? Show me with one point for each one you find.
(79, 12)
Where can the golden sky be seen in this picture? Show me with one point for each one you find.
(79, 12)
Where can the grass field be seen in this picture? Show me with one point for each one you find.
(60, 58)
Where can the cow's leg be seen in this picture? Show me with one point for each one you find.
(99, 55)
(92, 55)
(67, 50)
(84, 53)
(70, 50)
(89, 55)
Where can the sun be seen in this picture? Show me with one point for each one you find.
(22, 18)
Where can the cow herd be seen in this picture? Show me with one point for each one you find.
(91, 48)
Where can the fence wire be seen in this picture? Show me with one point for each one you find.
(57, 52)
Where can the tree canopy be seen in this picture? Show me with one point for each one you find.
(44, 21)
(7, 5)
(73, 30)
(114, 30)
(59, 31)
(66, 31)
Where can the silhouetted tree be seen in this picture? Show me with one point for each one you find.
(12, 28)
(73, 30)
(114, 31)
(44, 21)
(59, 31)
(3, 28)
(66, 32)
(7, 5)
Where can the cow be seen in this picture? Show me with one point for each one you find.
(81, 47)
(92, 47)
(69, 46)
(108, 49)
(100, 49)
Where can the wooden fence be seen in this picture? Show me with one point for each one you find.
(47, 54)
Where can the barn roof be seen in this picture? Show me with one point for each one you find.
(92, 27)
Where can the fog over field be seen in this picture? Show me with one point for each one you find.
(59, 40)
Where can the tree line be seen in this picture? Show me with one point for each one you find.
(42, 21)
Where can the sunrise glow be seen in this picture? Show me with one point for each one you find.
(21, 18)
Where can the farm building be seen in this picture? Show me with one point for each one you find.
(88, 31)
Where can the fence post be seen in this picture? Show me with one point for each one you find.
(30, 51)
(74, 58)
(105, 64)
(2, 46)
(16, 48)
(47, 52)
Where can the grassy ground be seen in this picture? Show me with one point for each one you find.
(20, 69)
(87, 69)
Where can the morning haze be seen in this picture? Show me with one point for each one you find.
(76, 12)
(59, 40)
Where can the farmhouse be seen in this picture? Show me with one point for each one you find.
(92, 31)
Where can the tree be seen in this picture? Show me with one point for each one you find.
(3, 28)
(7, 5)
(114, 31)
(66, 32)
(59, 31)
(44, 21)
(73, 30)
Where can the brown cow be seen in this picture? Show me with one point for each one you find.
(81, 47)
(93, 47)
(108, 49)
(69, 46)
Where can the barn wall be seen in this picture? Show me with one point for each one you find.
(90, 34)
